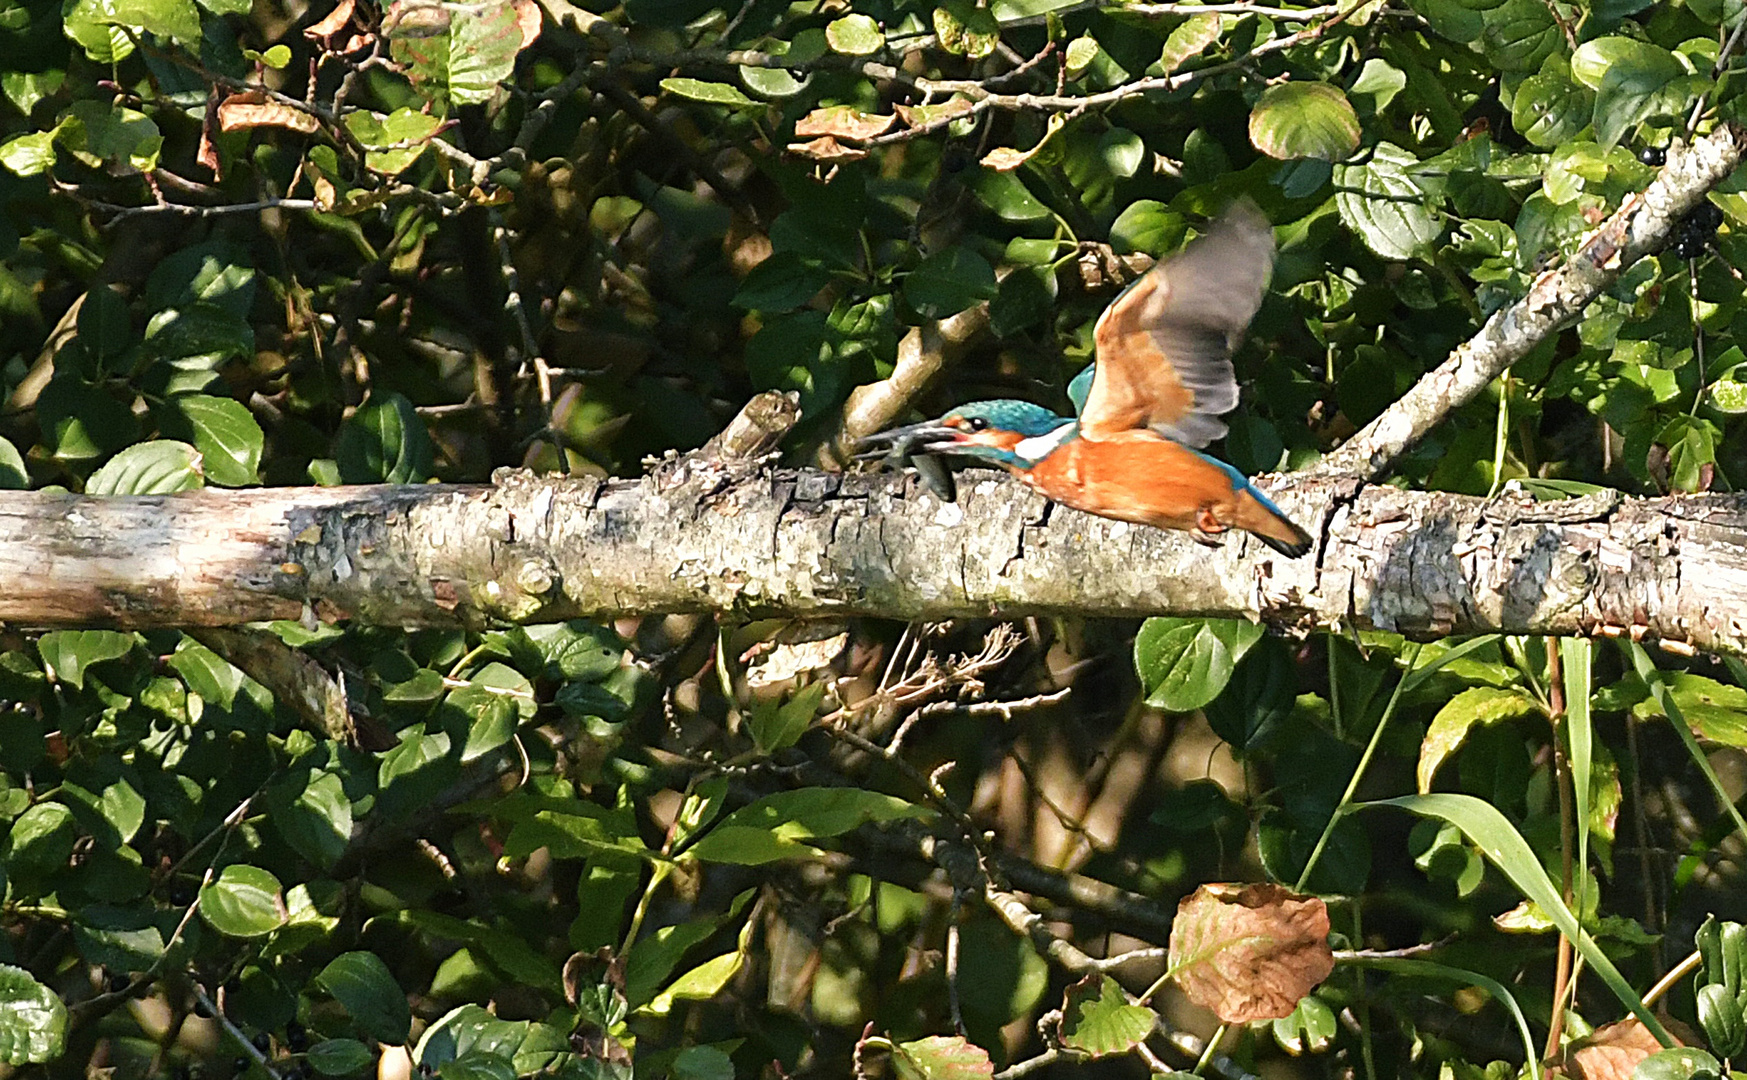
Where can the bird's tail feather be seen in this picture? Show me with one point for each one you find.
(1258, 515)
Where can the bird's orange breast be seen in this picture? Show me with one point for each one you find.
(1136, 477)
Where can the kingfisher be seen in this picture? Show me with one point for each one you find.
(1150, 400)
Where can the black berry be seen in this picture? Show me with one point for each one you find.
(1653, 155)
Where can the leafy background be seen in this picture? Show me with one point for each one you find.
(253, 244)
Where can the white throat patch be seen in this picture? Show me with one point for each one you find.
(1039, 447)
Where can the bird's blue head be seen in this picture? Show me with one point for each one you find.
(1015, 434)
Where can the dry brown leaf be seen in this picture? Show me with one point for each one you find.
(251, 109)
(527, 20)
(1610, 1052)
(1250, 952)
(207, 154)
(843, 122)
(797, 649)
(1005, 158)
(329, 27)
(918, 115)
(826, 148)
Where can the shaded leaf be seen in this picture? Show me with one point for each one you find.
(1477, 706)
(362, 983)
(1185, 663)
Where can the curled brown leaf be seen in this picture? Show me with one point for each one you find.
(1249, 952)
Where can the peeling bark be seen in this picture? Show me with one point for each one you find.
(703, 536)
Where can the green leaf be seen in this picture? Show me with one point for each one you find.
(1678, 1063)
(577, 649)
(101, 133)
(92, 25)
(67, 653)
(703, 1063)
(174, 20)
(1505, 848)
(363, 985)
(1304, 119)
(772, 82)
(1519, 34)
(159, 467)
(13, 475)
(28, 155)
(965, 29)
(339, 1057)
(1380, 202)
(942, 1057)
(855, 35)
(822, 812)
(483, 43)
(748, 845)
(478, 1065)
(1714, 710)
(1310, 1029)
(1007, 196)
(385, 442)
(1477, 706)
(33, 1021)
(712, 93)
(1727, 394)
(654, 956)
(313, 814)
(80, 422)
(1692, 445)
(26, 89)
(229, 439)
(776, 727)
(243, 901)
(41, 840)
(1550, 108)
(493, 702)
(1080, 53)
(198, 335)
(699, 984)
(947, 282)
(1150, 226)
(1184, 663)
(1633, 76)
(394, 142)
(1188, 39)
(783, 282)
(1098, 1020)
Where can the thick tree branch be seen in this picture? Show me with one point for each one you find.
(709, 536)
(1641, 227)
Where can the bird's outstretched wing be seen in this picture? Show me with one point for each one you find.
(1164, 346)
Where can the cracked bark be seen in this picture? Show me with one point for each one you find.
(705, 537)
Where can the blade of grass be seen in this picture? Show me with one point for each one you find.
(1432, 970)
(1576, 654)
(1506, 849)
(1358, 773)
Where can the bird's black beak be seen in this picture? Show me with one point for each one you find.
(912, 446)
(902, 442)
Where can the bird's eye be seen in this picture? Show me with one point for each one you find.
(978, 423)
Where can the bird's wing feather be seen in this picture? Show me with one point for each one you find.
(1164, 346)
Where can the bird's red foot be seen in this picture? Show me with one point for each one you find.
(1209, 530)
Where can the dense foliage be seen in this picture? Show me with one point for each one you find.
(260, 244)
